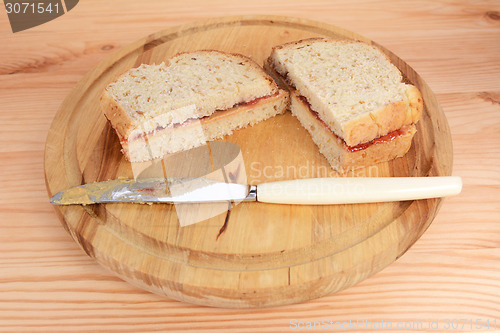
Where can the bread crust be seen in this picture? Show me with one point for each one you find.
(370, 125)
(385, 120)
(119, 119)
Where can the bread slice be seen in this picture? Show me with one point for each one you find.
(343, 157)
(192, 98)
(350, 98)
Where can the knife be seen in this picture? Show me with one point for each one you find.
(313, 191)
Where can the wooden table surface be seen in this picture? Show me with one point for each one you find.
(448, 281)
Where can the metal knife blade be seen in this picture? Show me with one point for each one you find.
(150, 190)
(313, 191)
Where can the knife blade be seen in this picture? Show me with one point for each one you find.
(313, 191)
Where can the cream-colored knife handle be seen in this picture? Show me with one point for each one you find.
(327, 191)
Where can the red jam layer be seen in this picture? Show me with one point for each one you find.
(190, 120)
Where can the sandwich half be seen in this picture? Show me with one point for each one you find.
(192, 98)
(350, 98)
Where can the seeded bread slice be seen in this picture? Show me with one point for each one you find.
(341, 156)
(155, 103)
(355, 89)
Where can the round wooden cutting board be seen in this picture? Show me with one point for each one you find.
(256, 254)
